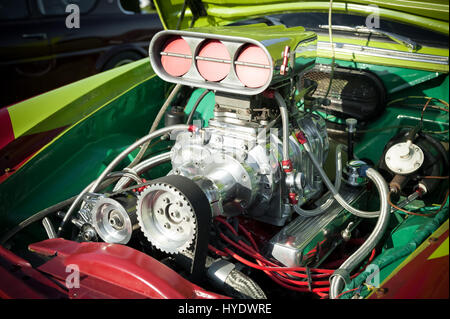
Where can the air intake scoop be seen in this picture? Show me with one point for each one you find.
(232, 59)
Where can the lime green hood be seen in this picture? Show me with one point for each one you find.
(432, 14)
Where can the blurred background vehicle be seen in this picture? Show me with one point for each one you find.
(38, 52)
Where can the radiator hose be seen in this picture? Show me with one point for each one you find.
(342, 275)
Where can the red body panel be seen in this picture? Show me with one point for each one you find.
(6, 130)
(106, 271)
(20, 280)
(422, 277)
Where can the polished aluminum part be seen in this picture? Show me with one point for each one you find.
(166, 218)
(341, 276)
(301, 42)
(107, 172)
(114, 221)
(292, 243)
(352, 49)
(84, 214)
(48, 226)
(236, 161)
(410, 44)
(87, 233)
(219, 271)
(351, 125)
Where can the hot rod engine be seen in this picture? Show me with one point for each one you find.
(259, 158)
(235, 163)
(249, 161)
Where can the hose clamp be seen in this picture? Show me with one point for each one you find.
(341, 273)
(287, 166)
(219, 271)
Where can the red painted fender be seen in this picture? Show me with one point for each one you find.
(108, 271)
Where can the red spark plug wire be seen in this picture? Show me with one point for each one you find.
(284, 276)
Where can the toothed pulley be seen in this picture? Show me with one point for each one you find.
(168, 212)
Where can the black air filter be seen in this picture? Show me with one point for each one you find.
(353, 93)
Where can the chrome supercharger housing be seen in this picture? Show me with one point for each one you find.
(237, 164)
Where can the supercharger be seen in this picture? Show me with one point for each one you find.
(236, 162)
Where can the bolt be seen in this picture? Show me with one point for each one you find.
(186, 219)
(116, 222)
(166, 200)
(179, 229)
(160, 211)
(179, 204)
(167, 225)
(88, 234)
(351, 124)
(347, 233)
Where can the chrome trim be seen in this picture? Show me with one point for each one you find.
(412, 45)
(384, 53)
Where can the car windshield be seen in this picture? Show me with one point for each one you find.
(314, 21)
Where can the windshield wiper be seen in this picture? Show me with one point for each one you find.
(410, 44)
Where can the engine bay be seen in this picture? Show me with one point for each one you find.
(266, 194)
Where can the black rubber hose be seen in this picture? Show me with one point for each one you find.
(183, 11)
(350, 146)
(439, 147)
(34, 218)
(435, 170)
(431, 184)
(200, 98)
